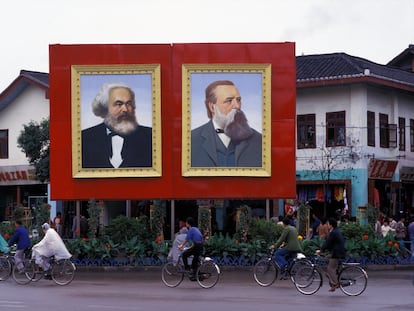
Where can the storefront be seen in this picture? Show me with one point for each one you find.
(20, 188)
(327, 199)
(405, 194)
(382, 191)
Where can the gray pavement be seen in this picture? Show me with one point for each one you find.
(141, 288)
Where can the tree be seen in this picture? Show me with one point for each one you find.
(34, 141)
(330, 159)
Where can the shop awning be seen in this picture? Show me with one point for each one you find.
(18, 175)
(381, 169)
(407, 173)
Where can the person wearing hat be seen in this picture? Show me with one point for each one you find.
(51, 245)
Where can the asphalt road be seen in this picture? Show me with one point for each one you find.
(142, 289)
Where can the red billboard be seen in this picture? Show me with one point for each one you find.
(172, 121)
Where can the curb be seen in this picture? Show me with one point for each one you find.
(223, 268)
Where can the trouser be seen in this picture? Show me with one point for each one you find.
(412, 248)
(332, 271)
(195, 251)
(282, 256)
(41, 260)
(18, 259)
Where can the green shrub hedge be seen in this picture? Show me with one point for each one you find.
(130, 237)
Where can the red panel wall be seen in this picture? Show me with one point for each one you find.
(171, 184)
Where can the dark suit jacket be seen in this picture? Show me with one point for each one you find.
(335, 243)
(97, 148)
(204, 154)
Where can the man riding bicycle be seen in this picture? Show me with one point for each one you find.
(21, 237)
(291, 246)
(50, 245)
(335, 244)
(194, 235)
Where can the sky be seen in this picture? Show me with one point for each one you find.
(377, 30)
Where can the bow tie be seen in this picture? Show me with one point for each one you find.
(219, 131)
(112, 134)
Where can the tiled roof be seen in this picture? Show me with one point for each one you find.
(311, 70)
(404, 60)
(340, 67)
(25, 79)
(39, 77)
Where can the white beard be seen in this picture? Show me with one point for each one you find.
(123, 125)
(234, 124)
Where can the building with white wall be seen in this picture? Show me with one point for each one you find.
(26, 99)
(355, 133)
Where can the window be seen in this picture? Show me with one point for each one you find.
(306, 131)
(401, 132)
(335, 129)
(411, 135)
(392, 134)
(371, 128)
(4, 144)
(384, 138)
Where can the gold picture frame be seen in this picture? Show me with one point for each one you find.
(144, 80)
(254, 83)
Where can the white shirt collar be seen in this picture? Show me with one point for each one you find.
(223, 137)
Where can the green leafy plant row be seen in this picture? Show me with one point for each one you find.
(131, 238)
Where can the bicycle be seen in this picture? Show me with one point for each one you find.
(353, 279)
(266, 270)
(62, 271)
(207, 274)
(6, 266)
(23, 273)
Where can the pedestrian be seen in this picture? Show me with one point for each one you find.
(377, 228)
(323, 229)
(84, 227)
(315, 224)
(58, 223)
(386, 229)
(392, 222)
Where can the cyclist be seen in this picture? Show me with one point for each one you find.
(194, 235)
(335, 244)
(50, 245)
(291, 246)
(21, 237)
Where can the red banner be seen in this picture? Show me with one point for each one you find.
(381, 169)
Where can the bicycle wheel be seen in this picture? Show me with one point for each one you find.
(25, 274)
(296, 265)
(265, 272)
(172, 274)
(63, 272)
(208, 274)
(5, 268)
(353, 280)
(308, 279)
